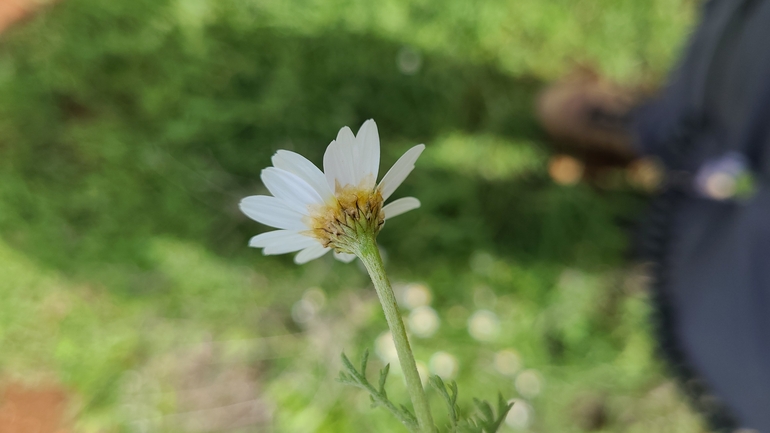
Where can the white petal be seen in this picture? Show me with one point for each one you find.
(274, 237)
(338, 160)
(333, 166)
(297, 164)
(272, 211)
(344, 257)
(290, 188)
(310, 253)
(397, 207)
(281, 241)
(368, 153)
(400, 171)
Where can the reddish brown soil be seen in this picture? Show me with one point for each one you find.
(12, 11)
(32, 410)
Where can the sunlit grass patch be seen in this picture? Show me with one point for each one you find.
(486, 156)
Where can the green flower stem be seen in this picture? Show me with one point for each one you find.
(370, 255)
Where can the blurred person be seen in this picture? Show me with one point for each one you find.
(708, 231)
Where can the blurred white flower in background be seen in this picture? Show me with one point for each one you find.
(303, 311)
(521, 415)
(444, 365)
(415, 295)
(484, 325)
(408, 61)
(316, 296)
(386, 349)
(529, 383)
(507, 362)
(423, 322)
(306, 309)
(317, 211)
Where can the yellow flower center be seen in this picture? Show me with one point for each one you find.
(353, 212)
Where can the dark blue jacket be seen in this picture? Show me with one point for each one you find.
(713, 252)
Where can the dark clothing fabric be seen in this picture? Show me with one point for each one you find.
(713, 280)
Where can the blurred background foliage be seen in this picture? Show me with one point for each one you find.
(129, 131)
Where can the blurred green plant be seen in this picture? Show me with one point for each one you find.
(485, 422)
(354, 377)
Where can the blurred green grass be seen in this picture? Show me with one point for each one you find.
(129, 131)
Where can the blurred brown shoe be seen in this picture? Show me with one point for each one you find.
(589, 117)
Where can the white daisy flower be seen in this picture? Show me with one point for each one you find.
(321, 211)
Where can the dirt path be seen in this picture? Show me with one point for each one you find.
(32, 410)
(12, 11)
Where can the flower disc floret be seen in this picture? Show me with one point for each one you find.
(354, 213)
(317, 211)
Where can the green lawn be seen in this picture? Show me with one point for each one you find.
(129, 131)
